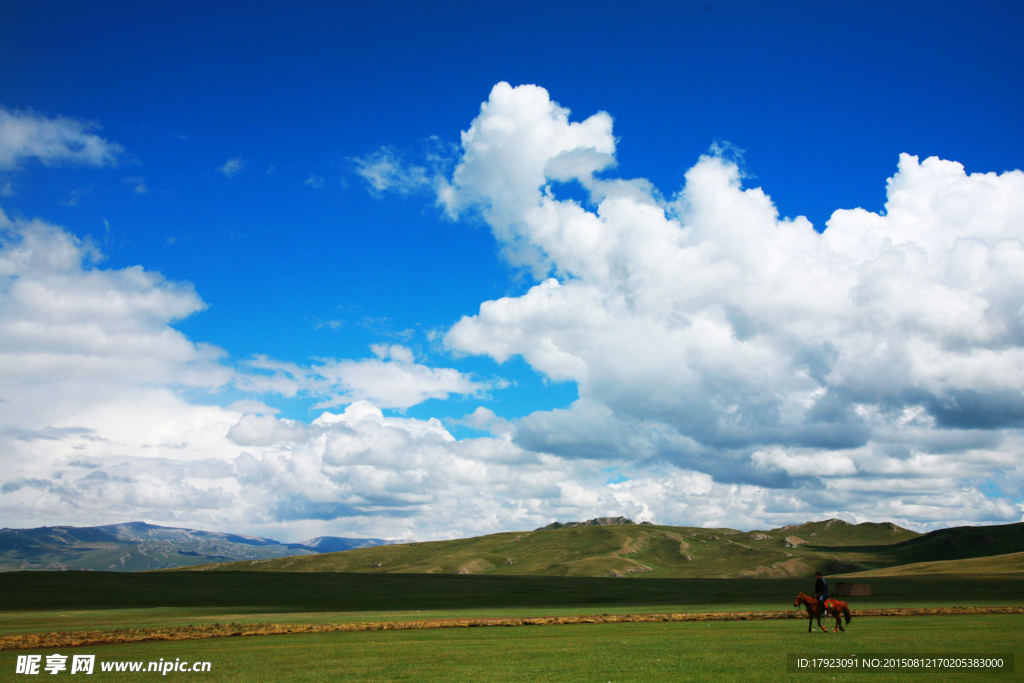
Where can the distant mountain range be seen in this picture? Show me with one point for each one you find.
(137, 546)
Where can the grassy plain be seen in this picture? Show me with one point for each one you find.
(704, 651)
(37, 602)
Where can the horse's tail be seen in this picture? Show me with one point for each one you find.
(846, 613)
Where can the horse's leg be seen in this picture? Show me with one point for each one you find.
(810, 623)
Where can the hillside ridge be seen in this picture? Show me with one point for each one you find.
(626, 550)
(596, 521)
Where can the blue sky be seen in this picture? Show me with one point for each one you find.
(242, 148)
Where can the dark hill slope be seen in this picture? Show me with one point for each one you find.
(957, 543)
(994, 566)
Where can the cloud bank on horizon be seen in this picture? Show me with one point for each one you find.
(734, 367)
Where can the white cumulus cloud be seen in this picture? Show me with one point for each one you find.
(25, 134)
(710, 332)
(64, 319)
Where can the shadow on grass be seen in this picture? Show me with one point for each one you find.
(340, 592)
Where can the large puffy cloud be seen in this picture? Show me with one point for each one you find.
(25, 134)
(64, 319)
(92, 422)
(519, 140)
(73, 335)
(708, 332)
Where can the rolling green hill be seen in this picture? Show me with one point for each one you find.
(642, 550)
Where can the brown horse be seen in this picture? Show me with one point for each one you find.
(837, 608)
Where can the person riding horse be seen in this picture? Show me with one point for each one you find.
(837, 609)
(821, 592)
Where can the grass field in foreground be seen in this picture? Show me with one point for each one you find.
(709, 651)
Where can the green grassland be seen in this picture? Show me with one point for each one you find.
(41, 602)
(651, 551)
(707, 651)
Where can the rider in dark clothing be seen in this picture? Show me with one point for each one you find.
(821, 592)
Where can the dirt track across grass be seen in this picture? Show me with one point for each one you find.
(82, 638)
